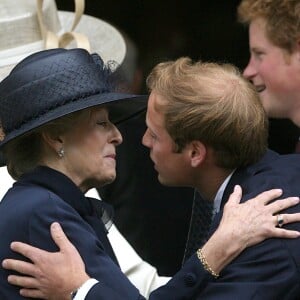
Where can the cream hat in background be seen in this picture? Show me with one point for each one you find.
(24, 24)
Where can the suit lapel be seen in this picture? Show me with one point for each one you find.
(239, 177)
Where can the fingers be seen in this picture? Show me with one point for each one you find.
(59, 237)
(26, 250)
(28, 285)
(19, 266)
(32, 293)
(34, 253)
(285, 233)
(267, 196)
(282, 204)
(236, 195)
(23, 281)
(264, 197)
(289, 218)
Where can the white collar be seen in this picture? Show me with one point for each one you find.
(219, 195)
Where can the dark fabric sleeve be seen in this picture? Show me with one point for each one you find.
(114, 284)
(266, 271)
(100, 291)
(184, 285)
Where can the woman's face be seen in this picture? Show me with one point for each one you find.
(90, 150)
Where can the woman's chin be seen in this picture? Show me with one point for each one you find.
(109, 179)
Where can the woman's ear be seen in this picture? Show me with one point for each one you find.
(197, 153)
(53, 142)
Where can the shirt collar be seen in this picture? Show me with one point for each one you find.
(219, 195)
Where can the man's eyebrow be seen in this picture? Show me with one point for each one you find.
(256, 49)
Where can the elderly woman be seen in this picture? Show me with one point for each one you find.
(58, 109)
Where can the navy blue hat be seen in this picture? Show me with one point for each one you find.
(53, 83)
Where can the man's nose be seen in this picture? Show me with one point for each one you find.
(249, 72)
(145, 139)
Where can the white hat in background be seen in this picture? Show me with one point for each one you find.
(23, 24)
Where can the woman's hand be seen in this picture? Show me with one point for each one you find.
(249, 223)
(256, 220)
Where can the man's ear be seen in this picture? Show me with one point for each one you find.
(54, 142)
(197, 152)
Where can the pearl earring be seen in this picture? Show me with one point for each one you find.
(61, 152)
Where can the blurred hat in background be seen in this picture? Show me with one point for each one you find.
(24, 24)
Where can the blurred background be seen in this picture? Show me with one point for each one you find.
(168, 29)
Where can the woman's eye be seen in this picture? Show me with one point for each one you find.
(258, 54)
(102, 123)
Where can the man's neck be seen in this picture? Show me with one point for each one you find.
(209, 184)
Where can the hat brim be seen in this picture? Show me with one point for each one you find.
(121, 108)
(104, 39)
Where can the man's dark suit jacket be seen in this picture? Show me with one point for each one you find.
(44, 196)
(269, 270)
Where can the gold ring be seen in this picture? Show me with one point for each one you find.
(279, 220)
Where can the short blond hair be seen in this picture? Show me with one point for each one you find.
(212, 103)
(282, 19)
